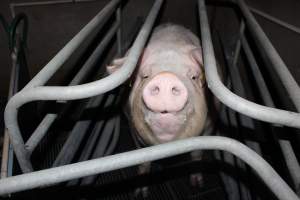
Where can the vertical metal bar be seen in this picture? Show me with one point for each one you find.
(119, 32)
(286, 147)
(100, 149)
(251, 109)
(107, 133)
(209, 58)
(284, 74)
(5, 152)
(78, 132)
(13, 87)
(235, 120)
(115, 137)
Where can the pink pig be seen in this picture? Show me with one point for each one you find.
(168, 97)
(167, 101)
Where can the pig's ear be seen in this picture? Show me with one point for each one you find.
(118, 62)
(115, 65)
(196, 55)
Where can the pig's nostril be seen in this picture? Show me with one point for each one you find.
(164, 112)
(154, 90)
(175, 91)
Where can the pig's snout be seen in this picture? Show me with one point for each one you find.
(165, 93)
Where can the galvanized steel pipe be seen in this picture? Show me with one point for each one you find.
(11, 110)
(276, 21)
(286, 147)
(34, 92)
(280, 67)
(65, 53)
(230, 99)
(122, 160)
(45, 124)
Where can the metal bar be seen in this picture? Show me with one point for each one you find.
(88, 65)
(42, 77)
(78, 132)
(231, 184)
(97, 87)
(119, 33)
(230, 99)
(122, 160)
(39, 132)
(115, 137)
(88, 147)
(40, 3)
(12, 88)
(101, 148)
(85, 69)
(276, 20)
(237, 121)
(286, 147)
(107, 132)
(64, 54)
(266, 96)
(284, 74)
(33, 92)
(103, 140)
(5, 153)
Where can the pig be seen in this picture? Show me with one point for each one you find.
(168, 99)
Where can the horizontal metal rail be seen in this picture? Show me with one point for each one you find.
(41, 3)
(230, 99)
(34, 91)
(122, 160)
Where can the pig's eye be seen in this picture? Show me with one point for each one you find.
(145, 76)
(195, 77)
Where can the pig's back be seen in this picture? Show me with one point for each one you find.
(172, 36)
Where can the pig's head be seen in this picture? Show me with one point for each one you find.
(167, 100)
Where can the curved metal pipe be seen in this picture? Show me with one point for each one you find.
(230, 99)
(34, 92)
(46, 123)
(286, 147)
(280, 67)
(122, 160)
